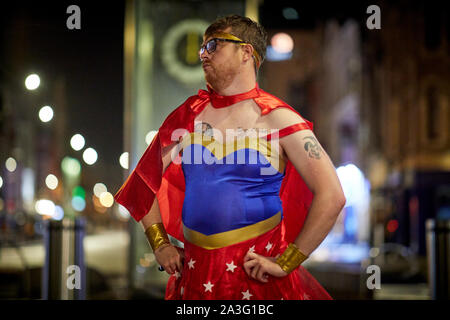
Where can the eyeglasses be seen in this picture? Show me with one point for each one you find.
(211, 45)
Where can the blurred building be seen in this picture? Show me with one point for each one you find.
(81, 80)
(379, 99)
(406, 118)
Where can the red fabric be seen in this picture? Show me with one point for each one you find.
(207, 276)
(219, 101)
(291, 129)
(138, 191)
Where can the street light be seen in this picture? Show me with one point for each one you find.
(123, 160)
(45, 207)
(77, 142)
(11, 164)
(99, 188)
(51, 181)
(46, 114)
(71, 166)
(32, 82)
(90, 156)
(106, 199)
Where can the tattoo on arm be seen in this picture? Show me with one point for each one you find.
(312, 147)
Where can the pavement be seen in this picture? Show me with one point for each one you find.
(107, 252)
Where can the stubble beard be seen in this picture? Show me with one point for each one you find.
(220, 77)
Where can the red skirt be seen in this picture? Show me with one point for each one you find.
(218, 274)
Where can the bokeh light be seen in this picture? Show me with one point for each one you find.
(51, 182)
(99, 188)
(45, 207)
(290, 13)
(77, 142)
(90, 156)
(374, 252)
(79, 191)
(282, 42)
(71, 166)
(32, 82)
(97, 205)
(46, 114)
(122, 213)
(59, 213)
(78, 203)
(11, 164)
(106, 199)
(149, 137)
(123, 160)
(392, 225)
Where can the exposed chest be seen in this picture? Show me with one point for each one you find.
(225, 124)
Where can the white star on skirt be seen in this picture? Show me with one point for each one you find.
(246, 295)
(191, 264)
(231, 266)
(269, 246)
(208, 286)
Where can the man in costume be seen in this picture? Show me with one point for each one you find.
(239, 178)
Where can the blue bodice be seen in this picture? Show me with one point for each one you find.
(229, 185)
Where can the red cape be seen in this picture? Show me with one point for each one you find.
(146, 180)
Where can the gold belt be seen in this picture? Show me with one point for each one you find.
(227, 238)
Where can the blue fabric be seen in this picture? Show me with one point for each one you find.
(227, 194)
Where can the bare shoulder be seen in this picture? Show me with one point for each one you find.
(282, 117)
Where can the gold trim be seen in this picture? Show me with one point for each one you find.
(291, 258)
(227, 238)
(157, 236)
(221, 150)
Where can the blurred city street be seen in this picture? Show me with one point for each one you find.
(85, 89)
(106, 251)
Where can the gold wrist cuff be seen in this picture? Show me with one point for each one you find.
(157, 236)
(291, 258)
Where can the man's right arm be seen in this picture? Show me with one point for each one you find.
(169, 257)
